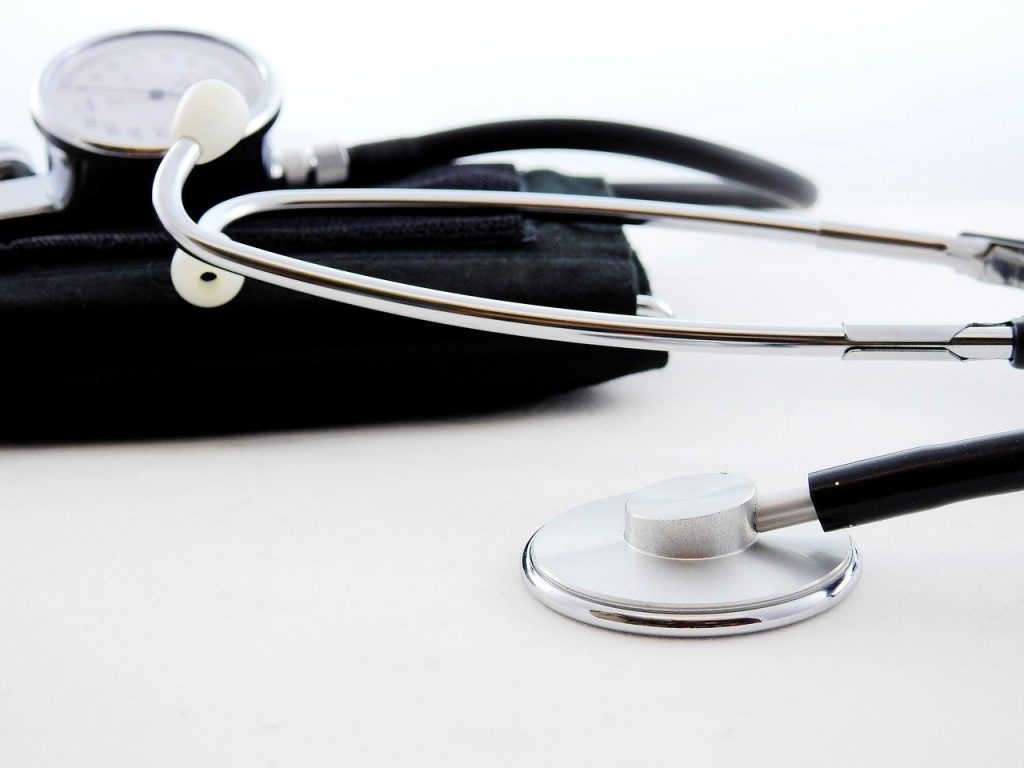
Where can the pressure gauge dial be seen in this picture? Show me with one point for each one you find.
(116, 95)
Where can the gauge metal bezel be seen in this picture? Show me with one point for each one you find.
(263, 112)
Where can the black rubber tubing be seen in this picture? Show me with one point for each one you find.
(382, 161)
(1017, 358)
(918, 479)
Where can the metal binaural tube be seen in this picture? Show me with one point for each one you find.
(207, 242)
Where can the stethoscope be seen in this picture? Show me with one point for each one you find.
(697, 555)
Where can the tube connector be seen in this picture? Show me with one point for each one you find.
(998, 259)
(783, 509)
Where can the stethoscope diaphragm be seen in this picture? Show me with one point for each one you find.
(676, 559)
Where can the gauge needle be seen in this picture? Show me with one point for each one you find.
(154, 93)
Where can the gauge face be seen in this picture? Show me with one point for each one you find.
(117, 95)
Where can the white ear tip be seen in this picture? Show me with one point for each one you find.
(214, 115)
(202, 285)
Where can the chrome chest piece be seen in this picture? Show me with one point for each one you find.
(682, 558)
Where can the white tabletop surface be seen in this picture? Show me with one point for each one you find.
(351, 596)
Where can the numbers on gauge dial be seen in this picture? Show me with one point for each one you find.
(123, 92)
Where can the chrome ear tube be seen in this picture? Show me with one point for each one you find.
(694, 556)
(984, 258)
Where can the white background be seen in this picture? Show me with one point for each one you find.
(352, 596)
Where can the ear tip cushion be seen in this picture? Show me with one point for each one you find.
(214, 114)
(202, 285)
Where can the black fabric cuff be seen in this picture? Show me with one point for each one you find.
(98, 344)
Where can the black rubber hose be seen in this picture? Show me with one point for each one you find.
(918, 479)
(1017, 358)
(382, 161)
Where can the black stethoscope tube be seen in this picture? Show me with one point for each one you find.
(757, 182)
(917, 479)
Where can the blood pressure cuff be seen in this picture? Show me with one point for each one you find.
(97, 343)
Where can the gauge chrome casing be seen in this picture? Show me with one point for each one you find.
(186, 57)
